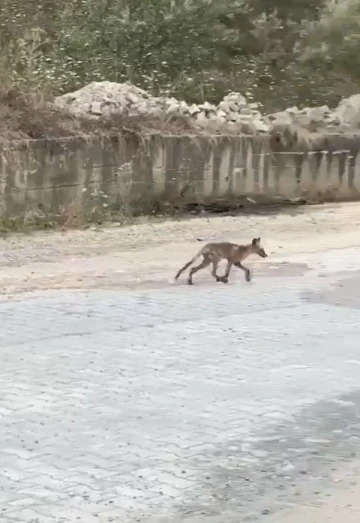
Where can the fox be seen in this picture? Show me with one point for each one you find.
(213, 253)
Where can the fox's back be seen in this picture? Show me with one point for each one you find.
(226, 250)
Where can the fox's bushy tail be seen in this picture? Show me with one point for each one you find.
(189, 263)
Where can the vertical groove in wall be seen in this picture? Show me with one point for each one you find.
(346, 172)
(3, 182)
(356, 180)
(81, 177)
(307, 179)
(351, 172)
(224, 168)
(250, 179)
(209, 175)
(285, 174)
(237, 169)
(329, 162)
(158, 167)
(267, 164)
(272, 173)
(197, 155)
(302, 177)
(217, 147)
(171, 176)
(333, 172)
(261, 172)
(231, 173)
(321, 178)
(341, 168)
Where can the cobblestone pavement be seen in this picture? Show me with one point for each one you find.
(207, 403)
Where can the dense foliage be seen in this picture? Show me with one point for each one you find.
(281, 53)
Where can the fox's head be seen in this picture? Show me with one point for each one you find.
(257, 248)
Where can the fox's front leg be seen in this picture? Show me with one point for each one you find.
(245, 269)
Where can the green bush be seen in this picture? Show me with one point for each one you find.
(279, 53)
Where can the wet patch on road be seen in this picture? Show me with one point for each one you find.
(282, 269)
(344, 292)
(293, 461)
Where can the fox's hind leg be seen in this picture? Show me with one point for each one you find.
(206, 261)
(214, 273)
(225, 278)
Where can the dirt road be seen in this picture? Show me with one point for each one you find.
(148, 254)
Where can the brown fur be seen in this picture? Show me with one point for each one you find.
(213, 253)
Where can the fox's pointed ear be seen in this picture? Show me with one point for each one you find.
(255, 241)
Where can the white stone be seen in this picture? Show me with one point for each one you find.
(193, 109)
(232, 116)
(213, 116)
(292, 110)
(261, 126)
(183, 107)
(245, 110)
(256, 115)
(95, 108)
(206, 106)
(173, 108)
(245, 117)
(201, 117)
(221, 114)
(224, 106)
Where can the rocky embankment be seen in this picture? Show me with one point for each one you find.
(234, 113)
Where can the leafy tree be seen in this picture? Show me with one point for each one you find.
(280, 53)
(334, 41)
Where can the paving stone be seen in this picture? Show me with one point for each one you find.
(177, 403)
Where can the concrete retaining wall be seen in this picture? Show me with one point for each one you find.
(141, 171)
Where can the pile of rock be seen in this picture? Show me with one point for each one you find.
(104, 99)
(345, 117)
(235, 112)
